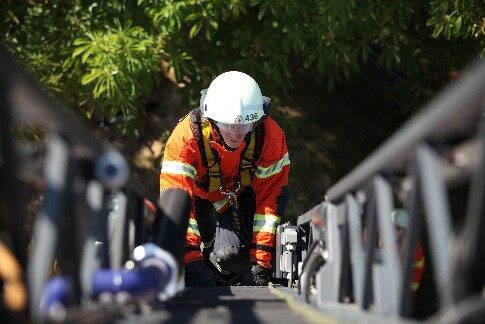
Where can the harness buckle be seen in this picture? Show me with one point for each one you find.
(232, 195)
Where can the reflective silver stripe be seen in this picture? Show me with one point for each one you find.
(275, 168)
(191, 230)
(175, 167)
(193, 227)
(218, 205)
(265, 223)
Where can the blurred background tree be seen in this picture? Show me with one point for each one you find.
(105, 57)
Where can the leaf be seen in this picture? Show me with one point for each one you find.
(87, 54)
(95, 73)
(90, 36)
(214, 23)
(193, 16)
(208, 34)
(195, 29)
(262, 11)
(99, 89)
(80, 41)
(80, 50)
(437, 30)
(67, 63)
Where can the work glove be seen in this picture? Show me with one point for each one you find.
(260, 275)
(229, 253)
(255, 275)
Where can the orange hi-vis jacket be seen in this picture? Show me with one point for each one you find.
(182, 167)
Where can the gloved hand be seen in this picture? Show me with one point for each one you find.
(256, 275)
(260, 275)
(229, 253)
(197, 274)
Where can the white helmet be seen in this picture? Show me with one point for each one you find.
(400, 217)
(233, 98)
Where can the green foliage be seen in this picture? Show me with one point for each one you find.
(458, 19)
(83, 51)
(104, 57)
(116, 81)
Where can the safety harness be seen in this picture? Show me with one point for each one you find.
(201, 129)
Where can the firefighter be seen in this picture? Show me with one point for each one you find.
(232, 159)
(400, 219)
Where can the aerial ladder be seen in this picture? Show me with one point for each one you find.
(106, 250)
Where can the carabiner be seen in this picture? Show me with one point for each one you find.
(232, 195)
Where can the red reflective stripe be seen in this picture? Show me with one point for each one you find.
(264, 238)
(192, 239)
(262, 258)
(192, 256)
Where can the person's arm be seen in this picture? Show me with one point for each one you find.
(270, 184)
(178, 170)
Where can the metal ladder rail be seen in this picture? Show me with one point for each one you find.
(458, 103)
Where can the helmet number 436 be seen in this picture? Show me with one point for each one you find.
(251, 117)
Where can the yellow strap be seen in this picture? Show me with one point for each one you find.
(246, 163)
(213, 166)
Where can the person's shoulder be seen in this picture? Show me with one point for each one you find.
(182, 133)
(272, 128)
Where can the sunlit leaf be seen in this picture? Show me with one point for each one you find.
(195, 29)
(80, 50)
(91, 76)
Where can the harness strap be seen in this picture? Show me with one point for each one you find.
(212, 161)
(249, 156)
(246, 165)
(194, 116)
